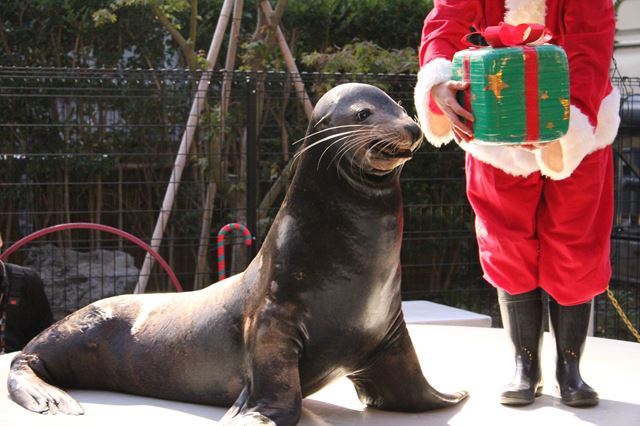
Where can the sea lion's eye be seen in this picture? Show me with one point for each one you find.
(363, 114)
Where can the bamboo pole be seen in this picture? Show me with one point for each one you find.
(185, 144)
(203, 248)
(207, 214)
(290, 62)
(303, 97)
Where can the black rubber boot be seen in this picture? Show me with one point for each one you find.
(522, 320)
(570, 324)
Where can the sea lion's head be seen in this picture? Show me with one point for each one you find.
(362, 131)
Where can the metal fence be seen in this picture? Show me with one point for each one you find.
(96, 145)
(625, 238)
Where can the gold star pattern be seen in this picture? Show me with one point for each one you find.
(496, 85)
(550, 125)
(565, 108)
(459, 72)
(544, 96)
(473, 97)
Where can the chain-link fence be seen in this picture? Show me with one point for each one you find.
(95, 145)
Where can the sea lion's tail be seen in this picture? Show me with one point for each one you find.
(29, 390)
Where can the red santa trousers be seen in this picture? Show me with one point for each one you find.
(537, 232)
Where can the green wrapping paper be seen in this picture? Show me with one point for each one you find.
(517, 94)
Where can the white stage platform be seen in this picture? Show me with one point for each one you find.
(452, 357)
(425, 312)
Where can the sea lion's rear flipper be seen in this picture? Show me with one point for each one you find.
(393, 379)
(29, 390)
(272, 394)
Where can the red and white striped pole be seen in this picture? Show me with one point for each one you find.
(248, 240)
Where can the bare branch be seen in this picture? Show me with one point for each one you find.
(185, 46)
(193, 24)
(3, 38)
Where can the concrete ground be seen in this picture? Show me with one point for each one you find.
(452, 357)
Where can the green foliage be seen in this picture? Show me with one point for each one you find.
(171, 8)
(362, 57)
(320, 24)
(63, 33)
(126, 33)
(104, 16)
(349, 36)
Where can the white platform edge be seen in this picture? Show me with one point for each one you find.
(452, 358)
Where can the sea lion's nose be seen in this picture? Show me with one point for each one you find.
(414, 131)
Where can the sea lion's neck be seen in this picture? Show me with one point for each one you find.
(324, 178)
(323, 213)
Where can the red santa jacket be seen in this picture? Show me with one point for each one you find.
(584, 28)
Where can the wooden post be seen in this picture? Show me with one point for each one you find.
(301, 92)
(303, 97)
(229, 66)
(185, 144)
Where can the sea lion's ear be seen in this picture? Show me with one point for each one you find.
(324, 120)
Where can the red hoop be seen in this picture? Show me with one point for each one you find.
(85, 225)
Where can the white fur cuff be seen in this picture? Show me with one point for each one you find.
(608, 119)
(436, 128)
(582, 139)
(508, 158)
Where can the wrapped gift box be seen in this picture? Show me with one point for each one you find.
(517, 94)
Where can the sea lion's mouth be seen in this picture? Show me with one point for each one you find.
(397, 152)
(391, 151)
(386, 161)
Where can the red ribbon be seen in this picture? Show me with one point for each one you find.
(531, 93)
(466, 76)
(506, 35)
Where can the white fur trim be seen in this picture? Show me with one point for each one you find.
(434, 72)
(525, 12)
(582, 139)
(608, 119)
(509, 159)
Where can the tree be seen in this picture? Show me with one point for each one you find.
(165, 12)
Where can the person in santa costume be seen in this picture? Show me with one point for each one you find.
(543, 214)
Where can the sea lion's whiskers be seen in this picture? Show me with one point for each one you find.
(387, 140)
(343, 150)
(350, 141)
(310, 135)
(361, 139)
(355, 149)
(305, 149)
(363, 158)
(327, 148)
(358, 142)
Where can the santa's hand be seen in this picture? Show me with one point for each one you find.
(551, 154)
(444, 95)
(531, 147)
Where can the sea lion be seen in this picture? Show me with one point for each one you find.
(320, 300)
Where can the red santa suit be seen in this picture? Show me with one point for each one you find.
(537, 225)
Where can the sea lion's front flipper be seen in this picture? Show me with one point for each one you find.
(272, 394)
(393, 379)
